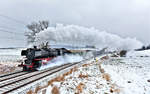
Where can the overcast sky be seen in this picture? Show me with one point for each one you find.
(127, 18)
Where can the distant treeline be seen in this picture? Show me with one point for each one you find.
(12, 48)
(143, 48)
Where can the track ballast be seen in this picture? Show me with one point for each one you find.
(16, 80)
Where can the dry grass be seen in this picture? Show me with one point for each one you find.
(67, 73)
(44, 91)
(80, 88)
(89, 64)
(57, 79)
(111, 90)
(30, 92)
(115, 89)
(85, 65)
(83, 76)
(6, 68)
(70, 77)
(105, 58)
(102, 70)
(106, 76)
(38, 88)
(55, 90)
(71, 71)
(62, 78)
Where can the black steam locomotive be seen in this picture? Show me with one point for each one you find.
(36, 57)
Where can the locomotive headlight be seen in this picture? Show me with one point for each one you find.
(44, 60)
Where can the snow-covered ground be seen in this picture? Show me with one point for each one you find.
(10, 55)
(90, 78)
(117, 75)
(144, 53)
(131, 74)
(9, 60)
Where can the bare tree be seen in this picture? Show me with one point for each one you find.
(35, 27)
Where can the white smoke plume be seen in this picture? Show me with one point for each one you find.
(61, 60)
(81, 36)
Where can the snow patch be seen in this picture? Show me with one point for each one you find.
(131, 74)
(86, 79)
(144, 53)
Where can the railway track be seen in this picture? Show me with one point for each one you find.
(16, 80)
(8, 74)
(12, 76)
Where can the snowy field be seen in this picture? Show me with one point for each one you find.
(107, 75)
(9, 60)
(10, 55)
(132, 73)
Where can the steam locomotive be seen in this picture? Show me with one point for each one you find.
(36, 57)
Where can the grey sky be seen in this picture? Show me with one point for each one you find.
(127, 18)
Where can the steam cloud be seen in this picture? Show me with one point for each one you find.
(81, 36)
(60, 60)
